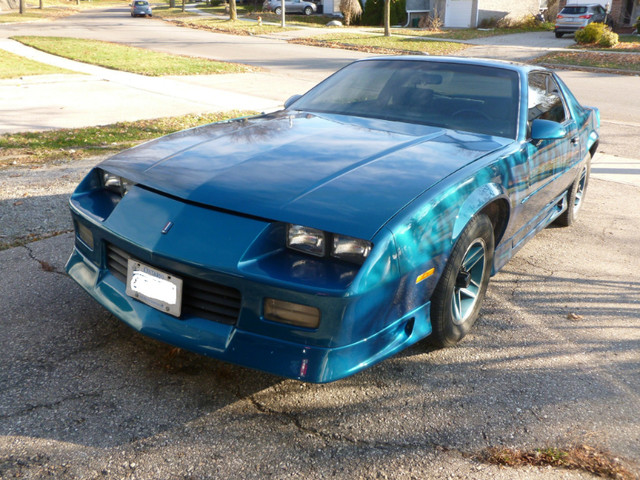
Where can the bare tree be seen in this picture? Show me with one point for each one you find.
(350, 9)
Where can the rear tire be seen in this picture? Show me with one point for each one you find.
(577, 191)
(308, 11)
(278, 11)
(457, 299)
(559, 34)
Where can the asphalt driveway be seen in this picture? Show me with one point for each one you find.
(554, 361)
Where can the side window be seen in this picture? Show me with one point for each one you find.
(545, 100)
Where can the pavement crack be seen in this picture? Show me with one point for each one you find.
(31, 408)
(44, 265)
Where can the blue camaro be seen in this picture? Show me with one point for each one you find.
(318, 240)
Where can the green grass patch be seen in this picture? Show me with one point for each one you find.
(604, 60)
(237, 27)
(15, 66)
(130, 59)
(33, 148)
(382, 44)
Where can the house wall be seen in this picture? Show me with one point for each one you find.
(507, 9)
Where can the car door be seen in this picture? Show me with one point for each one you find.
(549, 159)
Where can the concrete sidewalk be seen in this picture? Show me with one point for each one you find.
(97, 96)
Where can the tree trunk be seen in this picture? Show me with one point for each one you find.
(387, 18)
(172, 3)
(233, 10)
(21, 6)
(183, 4)
(41, 6)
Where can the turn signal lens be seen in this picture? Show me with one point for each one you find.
(291, 313)
(305, 239)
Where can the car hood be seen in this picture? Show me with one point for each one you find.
(341, 174)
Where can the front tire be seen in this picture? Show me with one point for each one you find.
(559, 34)
(308, 11)
(577, 191)
(456, 301)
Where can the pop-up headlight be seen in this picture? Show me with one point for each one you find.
(350, 249)
(116, 184)
(319, 243)
(306, 240)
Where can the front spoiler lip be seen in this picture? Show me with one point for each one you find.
(228, 343)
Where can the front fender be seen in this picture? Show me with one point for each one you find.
(474, 203)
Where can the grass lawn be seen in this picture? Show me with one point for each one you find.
(470, 33)
(604, 60)
(238, 27)
(130, 59)
(33, 148)
(34, 14)
(382, 44)
(15, 66)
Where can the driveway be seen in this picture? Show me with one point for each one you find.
(554, 361)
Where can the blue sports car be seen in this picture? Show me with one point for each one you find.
(366, 215)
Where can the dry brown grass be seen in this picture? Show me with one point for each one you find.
(582, 457)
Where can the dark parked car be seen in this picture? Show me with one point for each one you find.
(293, 6)
(318, 240)
(574, 17)
(140, 8)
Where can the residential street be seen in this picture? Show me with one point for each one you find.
(554, 360)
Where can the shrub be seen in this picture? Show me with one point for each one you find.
(637, 25)
(373, 13)
(608, 39)
(597, 33)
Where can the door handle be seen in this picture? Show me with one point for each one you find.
(575, 141)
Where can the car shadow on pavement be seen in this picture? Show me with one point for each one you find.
(551, 362)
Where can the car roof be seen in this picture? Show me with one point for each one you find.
(509, 65)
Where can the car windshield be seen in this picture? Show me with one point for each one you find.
(140, 3)
(574, 10)
(472, 98)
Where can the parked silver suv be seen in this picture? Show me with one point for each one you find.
(290, 6)
(574, 17)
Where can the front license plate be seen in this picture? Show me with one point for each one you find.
(157, 289)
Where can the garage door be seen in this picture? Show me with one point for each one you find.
(458, 13)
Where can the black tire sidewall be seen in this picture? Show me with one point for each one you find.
(445, 331)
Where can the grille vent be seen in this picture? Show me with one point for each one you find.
(200, 298)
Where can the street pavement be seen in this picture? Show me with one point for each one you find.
(554, 360)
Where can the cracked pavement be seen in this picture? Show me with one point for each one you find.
(554, 361)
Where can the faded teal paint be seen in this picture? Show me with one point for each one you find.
(229, 190)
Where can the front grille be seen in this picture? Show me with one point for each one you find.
(199, 298)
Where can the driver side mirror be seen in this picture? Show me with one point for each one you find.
(547, 130)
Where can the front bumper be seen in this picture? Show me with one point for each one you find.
(238, 346)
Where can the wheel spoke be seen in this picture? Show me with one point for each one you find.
(468, 293)
(473, 258)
